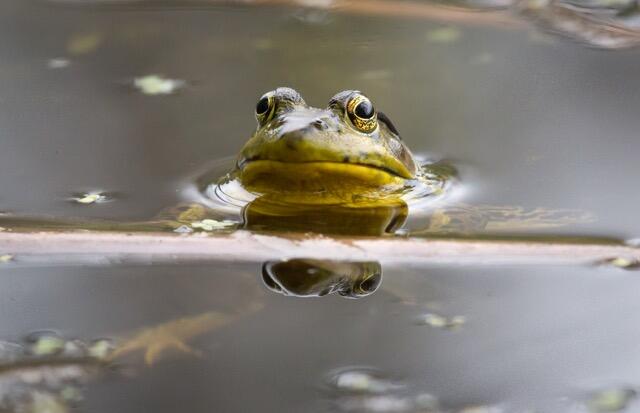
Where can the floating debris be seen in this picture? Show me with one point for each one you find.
(183, 229)
(157, 85)
(611, 400)
(101, 349)
(83, 43)
(438, 321)
(71, 394)
(387, 403)
(45, 343)
(74, 348)
(362, 381)
(91, 198)
(444, 35)
(58, 63)
(6, 258)
(624, 263)
(213, 225)
(44, 372)
(45, 402)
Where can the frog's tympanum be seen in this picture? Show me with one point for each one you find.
(317, 278)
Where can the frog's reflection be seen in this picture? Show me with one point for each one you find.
(316, 278)
(265, 213)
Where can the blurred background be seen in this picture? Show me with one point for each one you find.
(537, 107)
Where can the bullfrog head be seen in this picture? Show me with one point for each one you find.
(348, 147)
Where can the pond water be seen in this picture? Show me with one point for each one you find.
(529, 119)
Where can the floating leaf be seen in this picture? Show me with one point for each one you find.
(157, 85)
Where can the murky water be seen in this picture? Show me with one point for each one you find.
(529, 120)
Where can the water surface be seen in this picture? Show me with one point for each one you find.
(530, 121)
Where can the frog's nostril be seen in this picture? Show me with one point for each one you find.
(320, 124)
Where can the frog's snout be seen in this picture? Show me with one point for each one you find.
(307, 125)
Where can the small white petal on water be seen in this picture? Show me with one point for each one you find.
(438, 321)
(90, 198)
(212, 224)
(362, 381)
(5, 258)
(157, 85)
(47, 345)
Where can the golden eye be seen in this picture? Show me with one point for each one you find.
(362, 114)
(265, 108)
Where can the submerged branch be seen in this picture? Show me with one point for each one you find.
(95, 247)
(405, 9)
(412, 9)
(557, 17)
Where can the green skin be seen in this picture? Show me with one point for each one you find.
(321, 170)
(297, 148)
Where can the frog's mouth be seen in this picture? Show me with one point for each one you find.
(264, 175)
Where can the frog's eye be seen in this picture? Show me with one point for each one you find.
(368, 285)
(265, 108)
(362, 114)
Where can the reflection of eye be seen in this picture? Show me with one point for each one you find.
(268, 280)
(265, 108)
(362, 114)
(369, 285)
(363, 288)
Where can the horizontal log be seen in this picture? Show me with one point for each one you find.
(244, 246)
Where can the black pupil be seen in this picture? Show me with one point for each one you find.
(364, 110)
(263, 106)
(368, 285)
